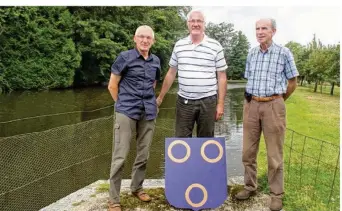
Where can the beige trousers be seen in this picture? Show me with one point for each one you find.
(269, 118)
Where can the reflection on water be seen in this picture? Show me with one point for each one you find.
(74, 139)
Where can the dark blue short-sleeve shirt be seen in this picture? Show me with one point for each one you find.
(136, 93)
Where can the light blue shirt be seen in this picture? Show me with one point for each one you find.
(268, 72)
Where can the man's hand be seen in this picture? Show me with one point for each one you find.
(291, 86)
(113, 86)
(159, 101)
(168, 80)
(219, 111)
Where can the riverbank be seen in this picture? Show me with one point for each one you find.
(94, 197)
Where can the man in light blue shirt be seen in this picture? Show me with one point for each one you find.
(271, 73)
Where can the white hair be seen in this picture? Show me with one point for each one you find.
(144, 27)
(195, 11)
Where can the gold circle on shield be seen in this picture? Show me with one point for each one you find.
(181, 160)
(205, 195)
(212, 160)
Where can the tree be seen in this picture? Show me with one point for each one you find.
(101, 33)
(238, 55)
(235, 46)
(318, 63)
(58, 47)
(37, 51)
(333, 72)
(300, 56)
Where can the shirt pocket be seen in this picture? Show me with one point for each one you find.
(277, 68)
(152, 72)
(117, 133)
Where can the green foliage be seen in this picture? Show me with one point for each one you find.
(58, 47)
(316, 62)
(238, 56)
(37, 50)
(235, 45)
(101, 33)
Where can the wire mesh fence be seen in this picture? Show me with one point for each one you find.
(312, 169)
(38, 168)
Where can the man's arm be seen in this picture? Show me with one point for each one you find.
(168, 80)
(222, 90)
(113, 86)
(291, 86)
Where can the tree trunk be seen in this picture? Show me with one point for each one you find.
(321, 87)
(332, 89)
(301, 83)
(316, 83)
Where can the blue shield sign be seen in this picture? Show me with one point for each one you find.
(195, 172)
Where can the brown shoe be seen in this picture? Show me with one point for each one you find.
(276, 204)
(244, 194)
(114, 206)
(142, 196)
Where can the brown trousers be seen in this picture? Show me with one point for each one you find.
(270, 118)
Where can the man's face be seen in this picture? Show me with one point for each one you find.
(196, 24)
(144, 40)
(264, 31)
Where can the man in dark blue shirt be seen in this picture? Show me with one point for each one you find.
(133, 79)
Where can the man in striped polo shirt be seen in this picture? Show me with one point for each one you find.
(271, 73)
(200, 63)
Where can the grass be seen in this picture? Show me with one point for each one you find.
(102, 188)
(311, 165)
(236, 81)
(159, 202)
(78, 203)
(314, 114)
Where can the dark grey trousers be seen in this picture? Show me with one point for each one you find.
(201, 111)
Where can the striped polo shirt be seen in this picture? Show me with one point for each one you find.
(196, 66)
(267, 72)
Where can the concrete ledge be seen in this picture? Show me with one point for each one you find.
(87, 198)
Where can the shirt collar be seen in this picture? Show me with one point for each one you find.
(269, 49)
(137, 54)
(205, 39)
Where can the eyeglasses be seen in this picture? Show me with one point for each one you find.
(193, 21)
(142, 37)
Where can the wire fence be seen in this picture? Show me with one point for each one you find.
(38, 168)
(312, 169)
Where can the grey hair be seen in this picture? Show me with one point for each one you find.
(194, 11)
(273, 23)
(144, 27)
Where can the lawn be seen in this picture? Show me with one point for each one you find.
(311, 152)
